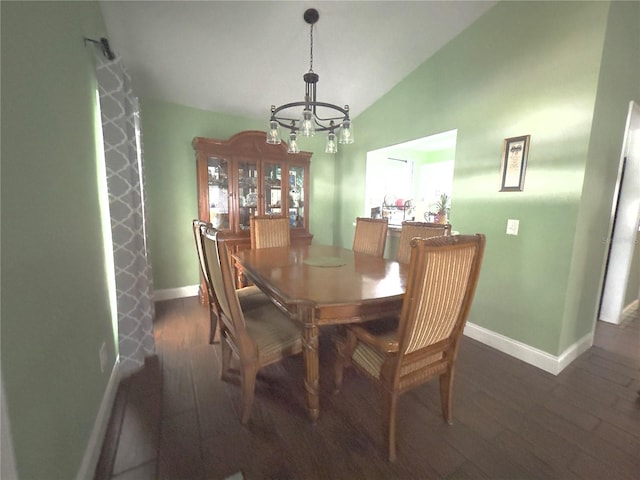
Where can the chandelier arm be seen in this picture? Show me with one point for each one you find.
(344, 111)
(323, 128)
(286, 121)
(287, 105)
(319, 128)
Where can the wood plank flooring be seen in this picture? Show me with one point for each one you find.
(177, 420)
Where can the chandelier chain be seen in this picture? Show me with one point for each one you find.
(311, 50)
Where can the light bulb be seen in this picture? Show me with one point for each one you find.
(346, 132)
(307, 124)
(293, 144)
(273, 135)
(332, 145)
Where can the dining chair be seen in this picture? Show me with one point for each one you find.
(250, 297)
(269, 231)
(214, 332)
(441, 282)
(410, 230)
(370, 236)
(418, 229)
(259, 336)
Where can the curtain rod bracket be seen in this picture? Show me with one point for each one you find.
(103, 43)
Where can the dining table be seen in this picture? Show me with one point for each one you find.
(319, 285)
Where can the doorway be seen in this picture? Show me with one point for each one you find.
(625, 223)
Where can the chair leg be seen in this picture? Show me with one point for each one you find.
(338, 372)
(446, 395)
(389, 407)
(249, 373)
(214, 327)
(226, 358)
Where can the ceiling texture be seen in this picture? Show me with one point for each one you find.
(240, 57)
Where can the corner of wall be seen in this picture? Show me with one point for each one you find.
(533, 356)
(94, 445)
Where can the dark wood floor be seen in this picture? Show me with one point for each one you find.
(177, 420)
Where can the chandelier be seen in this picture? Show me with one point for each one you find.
(316, 116)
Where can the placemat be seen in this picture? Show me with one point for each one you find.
(325, 261)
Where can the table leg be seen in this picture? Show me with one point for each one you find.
(312, 375)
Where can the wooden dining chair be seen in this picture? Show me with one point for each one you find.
(250, 297)
(370, 236)
(259, 336)
(214, 332)
(441, 282)
(418, 229)
(410, 230)
(269, 231)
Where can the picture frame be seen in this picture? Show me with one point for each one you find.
(515, 153)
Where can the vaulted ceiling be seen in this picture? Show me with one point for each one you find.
(240, 57)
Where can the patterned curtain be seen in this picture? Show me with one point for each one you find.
(125, 182)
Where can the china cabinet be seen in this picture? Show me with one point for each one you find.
(245, 176)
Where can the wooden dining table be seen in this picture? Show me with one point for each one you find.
(318, 285)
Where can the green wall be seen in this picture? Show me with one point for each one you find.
(170, 170)
(55, 307)
(618, 83)
(524, 68)
(171, 184)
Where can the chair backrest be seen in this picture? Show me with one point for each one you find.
(218, 262)
(269, 231)
(198, 226)
(411, 230)
(198, 240)
(370, 236)
(441, 282)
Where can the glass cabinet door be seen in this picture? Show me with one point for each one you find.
(243, 177)
(218, 179)
(247, 192)
(295, 202)
(273, 189)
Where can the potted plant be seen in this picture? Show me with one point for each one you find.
(442, 208)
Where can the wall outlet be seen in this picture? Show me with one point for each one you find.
(103, 357)
(512, 226)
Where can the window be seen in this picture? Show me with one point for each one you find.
(404, 181)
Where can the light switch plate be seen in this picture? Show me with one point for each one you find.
(512, 226)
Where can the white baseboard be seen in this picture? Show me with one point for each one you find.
(574, 351)
(94, 445)
(533, 356)
(180, 292)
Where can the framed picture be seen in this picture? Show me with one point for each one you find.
(514, 163)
